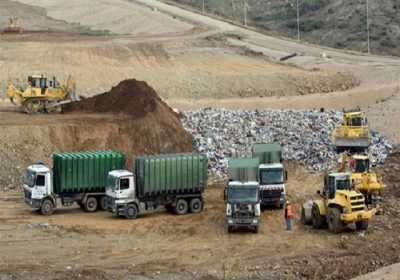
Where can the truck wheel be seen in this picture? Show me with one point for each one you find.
(229, 229)
(334, 223)
(303, 220)
(131, 211)
(181, 207)
(47, 207)
(255, 230)
(317, 219)
(362, 225)
(102, 202)
(91, 204)
(196, 205)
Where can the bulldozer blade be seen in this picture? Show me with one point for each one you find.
(352, 143)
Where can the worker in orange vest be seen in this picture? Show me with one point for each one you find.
(289, 215)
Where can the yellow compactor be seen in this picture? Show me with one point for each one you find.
(339, 206)
(42, 94)
(363, 178)
(353, 133)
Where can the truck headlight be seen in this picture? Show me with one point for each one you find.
(255, 221)
(257, 210)
(230, 221)
(228, 209)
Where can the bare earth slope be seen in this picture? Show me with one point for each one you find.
(117, 16)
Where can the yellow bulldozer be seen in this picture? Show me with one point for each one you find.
(353, 133)
(339, 206)
(363, 178)
(42, 95)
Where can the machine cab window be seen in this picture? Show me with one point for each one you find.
(40, 180)
(124, 184)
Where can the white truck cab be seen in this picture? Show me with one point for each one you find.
(242, 205)
(272, 178)
(37, 185)
(121, 187)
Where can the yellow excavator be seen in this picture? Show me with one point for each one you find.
(43, 95)
(340, 205)
(353, 133)
(363, 178)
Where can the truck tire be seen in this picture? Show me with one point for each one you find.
(229, 229)
(181, 207)
(255, 229)
(196, 205)
(333, 217)
(91, 204)
(102, 202)
(131, 211)
(47, 207)
(303, 219)
(362, 225)
(317, 219)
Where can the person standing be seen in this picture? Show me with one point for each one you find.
(289, 215)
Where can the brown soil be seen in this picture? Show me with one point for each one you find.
(131, 97)
(131, 118)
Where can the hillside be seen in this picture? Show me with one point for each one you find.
(335, 23)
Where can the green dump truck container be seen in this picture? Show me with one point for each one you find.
(243, 169)
(267, 153)
(173, 181)
(170, 174)
(84, 171)
(79, 177)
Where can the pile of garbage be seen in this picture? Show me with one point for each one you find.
(305, 136)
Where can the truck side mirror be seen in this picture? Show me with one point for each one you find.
(286, 176)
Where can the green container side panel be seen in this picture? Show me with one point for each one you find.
(243, 169)
(84, 171)
(170, 174)
(267, 153)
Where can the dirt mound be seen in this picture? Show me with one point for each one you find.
(130, 118)
(132, 97)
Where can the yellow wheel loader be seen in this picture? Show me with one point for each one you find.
(354, 133)
(363, 178)
(42, 94)
(339, 206)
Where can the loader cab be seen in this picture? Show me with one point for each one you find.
(361, 164)
(334, 182)
(355, 119)
(120, 184)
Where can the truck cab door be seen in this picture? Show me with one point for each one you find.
(126, 188)
(41, 186)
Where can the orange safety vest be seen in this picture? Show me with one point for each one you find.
(289, 211)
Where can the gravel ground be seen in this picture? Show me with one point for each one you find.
(304, 135)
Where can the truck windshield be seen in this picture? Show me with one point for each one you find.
(30, 178)
(343, 184)
(111, 182)
(271, 176)
(243, 195)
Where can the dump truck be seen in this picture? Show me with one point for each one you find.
(339, 206)
(242, 194)
(363, 178)
(173, 181)
(43, 95)
(79, 177)
(353, 134)
(272, 175)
